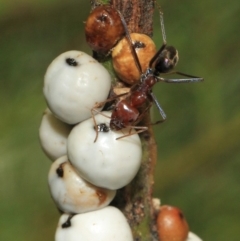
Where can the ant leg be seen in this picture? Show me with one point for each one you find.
(97, 126)
(160, 109)
(141, 129)
(194, 78)
(94, 111)
(98, 112)
(154, 58)
(95, 123)
(163, 36)
(190, 79)
(101, 104)
(98, 105)
(161, 22)
(131, 44)
(162, 27)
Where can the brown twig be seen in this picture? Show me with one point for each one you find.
(135, 200)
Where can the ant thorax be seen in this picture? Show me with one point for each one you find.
(123, 115)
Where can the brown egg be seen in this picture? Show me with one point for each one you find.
(123, 60)
(171, 224)
(103, 28)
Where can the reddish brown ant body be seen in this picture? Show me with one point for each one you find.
(127, 113)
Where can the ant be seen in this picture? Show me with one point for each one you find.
(127, 113)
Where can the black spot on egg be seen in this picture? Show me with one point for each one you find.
(60, 171)
(68, 224)
(139, 45)
(71, 62)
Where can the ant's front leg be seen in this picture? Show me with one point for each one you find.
(190, 79)
(138, 129)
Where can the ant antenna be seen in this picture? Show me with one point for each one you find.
(155, 57)
(161, 22)
(163, 28)
(136, 59)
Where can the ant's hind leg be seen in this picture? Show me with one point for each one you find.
(160, 109)
(158, 122)
(140, 130)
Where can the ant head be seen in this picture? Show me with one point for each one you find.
(166, 60)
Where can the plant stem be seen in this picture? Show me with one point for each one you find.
(135, 200)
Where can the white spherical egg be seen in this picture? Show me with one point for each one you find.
(71, 193)
(108, 162)
(193, 237)
(73, 84)
(106, 224)
(53, 135)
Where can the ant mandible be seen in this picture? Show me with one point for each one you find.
(128, 112)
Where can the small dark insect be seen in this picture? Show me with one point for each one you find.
(129, 112)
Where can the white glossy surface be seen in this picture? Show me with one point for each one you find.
(71, 193)
(53, 135)
(108, 162)
(107, 224)
(72, 91)
(193, 237)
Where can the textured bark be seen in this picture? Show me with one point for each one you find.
(135, 200)
(138, 14)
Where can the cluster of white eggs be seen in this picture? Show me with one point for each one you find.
(85, 175)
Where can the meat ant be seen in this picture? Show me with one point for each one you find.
(127, 113)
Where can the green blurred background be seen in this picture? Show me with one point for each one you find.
(198, 147)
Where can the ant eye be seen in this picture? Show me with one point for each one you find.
(103, 29)
(123, 59)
